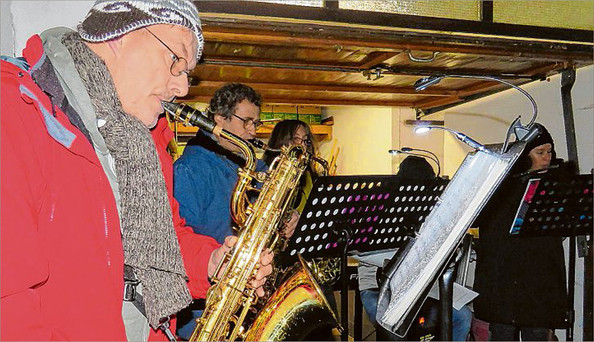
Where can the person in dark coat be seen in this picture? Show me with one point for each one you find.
(520, 281)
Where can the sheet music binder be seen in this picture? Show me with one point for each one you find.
(560, 206)
(442, 231)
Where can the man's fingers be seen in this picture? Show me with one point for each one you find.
(230, 241)
(256, 283)
(266, 258)
(263, 272)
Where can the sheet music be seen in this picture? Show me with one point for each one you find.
(523, 207)
(461, 295)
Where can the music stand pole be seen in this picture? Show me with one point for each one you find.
(570, 286)
(446, 294)
(344, 288)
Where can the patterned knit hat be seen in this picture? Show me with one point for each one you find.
(110, 19)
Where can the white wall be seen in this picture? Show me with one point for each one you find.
(21, 19)
(364, 135)
(487, 119)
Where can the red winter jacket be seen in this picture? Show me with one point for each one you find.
(61, 251)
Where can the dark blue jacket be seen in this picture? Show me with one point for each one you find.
(204, 178)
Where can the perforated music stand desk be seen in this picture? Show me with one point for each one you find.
(360, 213)
(561, 206)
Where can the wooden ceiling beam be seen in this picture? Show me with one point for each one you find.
(273, 66)
(475, 88)
(279, 64)
(333, 88)
(306, 35)
(314, 102)
(375, 58)
(481, 87)
(487, 86)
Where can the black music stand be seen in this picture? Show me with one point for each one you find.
(557, 205)
(360, 213)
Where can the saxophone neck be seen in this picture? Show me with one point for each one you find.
(323, 163)
(244, 147)
(193, 117)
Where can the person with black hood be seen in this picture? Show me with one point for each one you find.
(520, 281)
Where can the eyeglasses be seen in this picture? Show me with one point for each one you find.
(179, 64)
(299, 141)
(247, 123)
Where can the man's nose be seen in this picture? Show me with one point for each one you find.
(179, 85)
(252, 130)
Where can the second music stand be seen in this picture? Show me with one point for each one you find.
(361, 213)
(557, 205)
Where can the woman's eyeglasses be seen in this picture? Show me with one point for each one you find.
(299, 141)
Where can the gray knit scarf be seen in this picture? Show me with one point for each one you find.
(149, 239)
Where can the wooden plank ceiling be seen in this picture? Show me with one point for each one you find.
(328, 56)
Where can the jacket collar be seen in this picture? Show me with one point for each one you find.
(208, 141)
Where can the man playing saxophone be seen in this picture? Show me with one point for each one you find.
(86, 181)
(206, 174)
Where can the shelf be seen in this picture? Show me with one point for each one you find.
(322, 132)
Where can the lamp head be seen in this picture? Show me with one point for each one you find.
(426, 82)
(422, 129)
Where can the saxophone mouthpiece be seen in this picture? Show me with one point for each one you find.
(188, 115)
(170, 107)
(257, 143)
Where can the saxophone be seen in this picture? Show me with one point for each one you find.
(298, 306)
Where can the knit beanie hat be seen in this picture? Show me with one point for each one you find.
(110, 19)
(543, 137)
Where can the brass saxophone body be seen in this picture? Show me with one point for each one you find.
(287, 312)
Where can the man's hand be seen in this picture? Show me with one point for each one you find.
(289, 227)
(264, 265)
(263, 271)
(218, 254)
